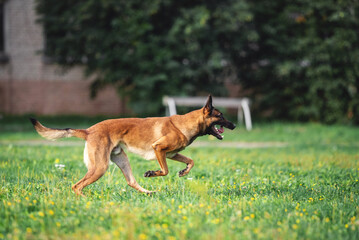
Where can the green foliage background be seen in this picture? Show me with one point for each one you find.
(298, 58)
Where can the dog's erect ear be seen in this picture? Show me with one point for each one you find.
(208, 108)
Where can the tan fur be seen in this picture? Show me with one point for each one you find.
(54, 134)
(152, 138)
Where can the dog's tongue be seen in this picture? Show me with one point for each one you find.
(221, 130)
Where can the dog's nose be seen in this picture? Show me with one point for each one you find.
(232, 126)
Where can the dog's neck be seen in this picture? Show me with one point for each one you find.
(191, 124)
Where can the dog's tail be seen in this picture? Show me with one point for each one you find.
(54, 133)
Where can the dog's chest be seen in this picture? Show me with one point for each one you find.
(147, 153)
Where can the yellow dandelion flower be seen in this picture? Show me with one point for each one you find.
(142, 236)
(165, 226)
(41, 214)
(252, 215)
(179, 212)
(216, 221)
(51, 212)
(32, 217)
(207, 213)
(346, 225)
(28, 230)
(295, 226)
(58, 224)
(169, 211)
(57, 160)
(327, 219)
(246, 218)
(180, 206)
(184, 218)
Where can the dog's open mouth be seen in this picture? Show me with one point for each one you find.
(217, 128)
(217, 132)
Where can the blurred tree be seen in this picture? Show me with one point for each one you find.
(147, 49)
(306, 61)
(300, 58)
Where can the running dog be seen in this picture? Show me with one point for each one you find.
(152, 138)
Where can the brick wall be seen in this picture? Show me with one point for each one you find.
(55, 97)
(29, 85)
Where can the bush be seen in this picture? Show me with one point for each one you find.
(147, 49)
(306, 65)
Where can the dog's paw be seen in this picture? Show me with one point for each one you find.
(183, 172)
(150, 174)
(150, 193)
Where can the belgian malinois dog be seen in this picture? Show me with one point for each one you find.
(152, 138)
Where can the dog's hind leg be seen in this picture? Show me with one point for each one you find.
(180, 158)
(97, 164)
(121, 160)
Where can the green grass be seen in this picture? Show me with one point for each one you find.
(306, 190)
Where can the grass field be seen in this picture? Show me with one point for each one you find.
(306, 189)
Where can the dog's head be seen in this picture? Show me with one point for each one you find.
(213, 118)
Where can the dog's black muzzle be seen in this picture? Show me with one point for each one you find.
(228, 124)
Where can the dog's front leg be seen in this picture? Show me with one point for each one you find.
(180, 158)
(160, 147)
